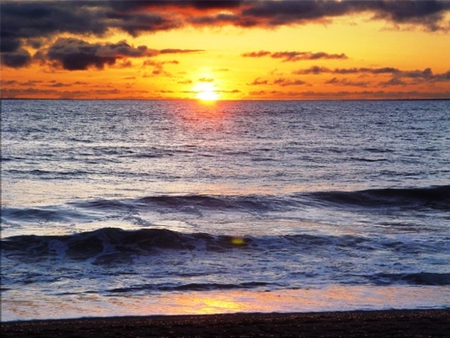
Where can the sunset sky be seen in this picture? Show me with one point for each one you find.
(227, 50)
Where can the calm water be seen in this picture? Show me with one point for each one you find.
(152, 207)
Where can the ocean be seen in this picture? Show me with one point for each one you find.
(117, 208)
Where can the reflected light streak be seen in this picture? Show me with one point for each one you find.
(19, 306)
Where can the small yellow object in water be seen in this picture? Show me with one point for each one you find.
(237, 241)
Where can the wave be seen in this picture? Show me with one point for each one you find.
(382, 200)
(108, 242)
(432, 198)
(43, 214)
(364, 159)
(183, 203)
(191, 287)
(107, 245)
(115, 249)
(419, 278)
(117, 242)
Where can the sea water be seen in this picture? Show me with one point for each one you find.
(163, 207)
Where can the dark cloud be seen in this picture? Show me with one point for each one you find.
(40, 19)
(275, 13)
(256, 54)
(345, 82)
(9, 45)
(258, 82)
(201, 4)
(285, 82)
(35, 43)
(397, 74)
(444, 76)
(58, 85)
(233, 91)
(45, 19)
(8, 83)
(295, 56)
(395, 81)
(74, 54)
(16, 59)
(218, 20)
(319, 70)
(265, 93)
(313, 70)
(179, 51)
(300, 56)
(158, 67)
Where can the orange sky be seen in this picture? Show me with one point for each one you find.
(225, 49)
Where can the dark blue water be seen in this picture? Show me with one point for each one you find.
(106, 201)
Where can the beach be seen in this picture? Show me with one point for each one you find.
(388, 323)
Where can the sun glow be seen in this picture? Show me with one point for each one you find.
(206, 92)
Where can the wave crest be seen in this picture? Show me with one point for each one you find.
(433, 198)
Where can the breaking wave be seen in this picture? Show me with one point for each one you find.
(432, 198)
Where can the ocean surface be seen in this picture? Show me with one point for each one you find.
(165, 207)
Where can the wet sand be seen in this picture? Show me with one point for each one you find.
(391, 323)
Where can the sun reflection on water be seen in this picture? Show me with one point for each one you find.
(332, 298)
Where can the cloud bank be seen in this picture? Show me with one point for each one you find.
(397, 75)
(33, 22)
(295, 56)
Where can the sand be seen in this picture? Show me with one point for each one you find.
(391, 323)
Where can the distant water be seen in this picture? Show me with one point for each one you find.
(161, 207)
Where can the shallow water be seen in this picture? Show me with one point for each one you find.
(170, 205)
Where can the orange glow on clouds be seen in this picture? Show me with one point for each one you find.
(248, 50)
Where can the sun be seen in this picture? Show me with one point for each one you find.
(206, 92)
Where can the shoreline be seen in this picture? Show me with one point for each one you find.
(380, 323)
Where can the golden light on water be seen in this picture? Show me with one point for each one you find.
(332, 298)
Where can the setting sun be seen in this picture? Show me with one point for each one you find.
(206, 92)
(270, 159)
(220, 50)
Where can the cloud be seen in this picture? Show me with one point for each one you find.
(397, 78)
(295, 56)
(258, 82)
(233, 91)
(179, 51)
(206, 79)
(75, 54)
(345, 82)
(17, 59)
(279, 82)
(285, 82)
(300, 56)
(158, 67)
(256, 54)
(185, 82)
(275, 13)
(319, 70)
(313, 70)
(34, 20)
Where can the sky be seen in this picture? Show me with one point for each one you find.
(227, 50)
